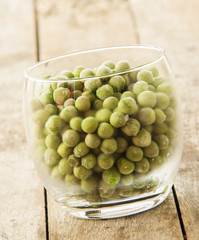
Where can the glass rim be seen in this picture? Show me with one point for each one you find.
(141, 46)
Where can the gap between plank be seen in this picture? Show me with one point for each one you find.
(179, 213)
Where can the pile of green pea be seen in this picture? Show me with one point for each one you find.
(99, 129)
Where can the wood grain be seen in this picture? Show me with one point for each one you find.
(73, 26)
(174, 26)
(21, 194)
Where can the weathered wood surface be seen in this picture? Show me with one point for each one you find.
(174, 26)
(22, 214)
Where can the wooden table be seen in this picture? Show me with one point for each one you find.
(34, 30)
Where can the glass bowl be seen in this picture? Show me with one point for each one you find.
(104, 129)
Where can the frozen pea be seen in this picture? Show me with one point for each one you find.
(152, 150)
(93, 197)
(134, 153)
(105, 130)
(162, 100)
(109, 64)
(75, 123)
(165, 153)
(68, 113)
(147, 99)
(162, 140)
(103, 70)
(51, 156)
(116, 110)
(154, 71)
(64, 167)
(147, 116)
(171, 133)
(170, 114)
(78, 70)
(90, 95)
(82, 103)
(92, 84)
(87, 72)
(126, 78)
(41, 116)
(111, 176)
(60, 95)
(60, 84)
(80, 149)
(159, 116)
(157, 81)
(98, 104)
(76, 93)
(143, 138)
(131, 128)
(64, 150)
(127, 180)
(118, 83)
(117, 119)
(89, 124)
(145, 75)
(51, 109)
(122, 65)
(142, 166)
(105, 161)
(105, 190)
(156, 161)
(108, 146)
(103, 115)
(36, 104)
(46, 98)
(89, 185)
(89, 161)
(133, 76)
(104, 92)
(110, 103)
(82, 173)
(121, 144)
(130, 87)
(71, 181)
(38, 131)
(125, 191)
(76, 85)
(128, 106)
(60, 108)
(55, 172)
(73, 161)
(117, 95)
(165, 88)
(152, 88)
(71, 137)
(69, 102)
(66, 73)
(66, 127)
(54, 124)
(139, 87)
(53, 141)
(125, 166)
(160, 128)
(149, 128)
(127, 94)
(92, 140)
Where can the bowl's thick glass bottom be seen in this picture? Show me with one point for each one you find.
(121, 209)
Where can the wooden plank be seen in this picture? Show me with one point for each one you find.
(174, 26)
(22, 213)
(76, 25)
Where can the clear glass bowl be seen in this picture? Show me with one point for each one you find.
(105, 163)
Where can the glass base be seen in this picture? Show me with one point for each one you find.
(122, 209)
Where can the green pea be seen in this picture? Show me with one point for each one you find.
(127, 94)
(76, 85)
(51, 156)
(51, 109)
(125, 192)
(142, 166)
(162, 100)
(117, 119)
(142, 139)
(38, 131)
(40, 117)
(90, 95)
(118, 83)
(64, 167)
(139, 87)
(152, 150)
(75, 123)
(121, 144)
(89, 161)
(78, 70)
(106, 190)
(89, 185)
(108, 146)
(170, 114)
(154, 71)
(109, 64)
(127, 180)
(105, 130)
(71, 181)
(82, 103)
(111, 176)
(103, 115)
(122, 65)
(105, 161)
(152, 88)
(133, 76)
(131, 128)
(159, 116)
(92, 140)
(156, 161)
(130, 87)
(73, 161)
(134, 153)
(60, 95)
(104, 92)
(92, 84)
(82, 173)
(36, 104)
(103, 70)
(157, 81)
(64, 150)
(98, 104)
(128, 106)
(66, 73)
(165, 88)
(80, 149)
(147, 116)
(147, 99)
(89, 124)
(76, 93)
(68, 113)
(160, 128)
(162, 140)
(66, 127)
(149, 128)
(125, 166)
(55, 172)
(71, 138)
(87, 72)
(46, 98)
(126, 78)
(54, 124)
(110, 103)
(53, 141)
(145, 75)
